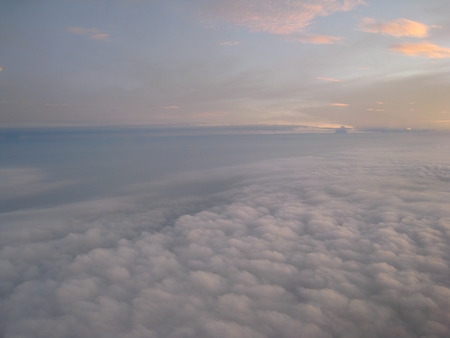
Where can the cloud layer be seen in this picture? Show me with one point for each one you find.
(339, 245)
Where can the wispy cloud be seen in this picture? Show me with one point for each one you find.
(279, 17)
(229, 43)
(338, 104)
(91, 33)
(398, 28)
(170, 107)
(318, 39)
(424, 49)
(1, 68)
(327, 79)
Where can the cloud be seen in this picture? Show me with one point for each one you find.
(424, 49)
(229, 43)
(170, 107)
(91, 33)
(337, 104)
(332, 245)
(2, 68)
(277, 17)
(398, 28)
(19, 182)
(327, 79)
(318, 39)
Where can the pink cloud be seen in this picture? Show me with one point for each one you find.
(318, 39)
(424, 49)
(337, 104)
(282, 17)
(397, 28)
(327, 79)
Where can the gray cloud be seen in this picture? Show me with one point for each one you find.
(351, 244)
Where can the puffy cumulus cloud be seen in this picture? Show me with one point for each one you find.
(424, 49)
(277, 17)
(398, 28)
(92, 33)
(346, 245)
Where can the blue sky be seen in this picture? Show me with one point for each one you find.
(364, 64)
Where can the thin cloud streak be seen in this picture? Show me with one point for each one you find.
(318, 39)
(91, 33)
(424, 49)
(398, 28)
(327, 79)
(229, 43)
(338, 104)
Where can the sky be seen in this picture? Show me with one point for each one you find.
(359, 63)
(260, 236)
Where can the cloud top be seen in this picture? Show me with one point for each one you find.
(330, 246)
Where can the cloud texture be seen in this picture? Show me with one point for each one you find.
(398, 28)
(339, 245)
(424, 49)
(278, 17)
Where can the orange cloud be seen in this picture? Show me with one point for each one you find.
(318, 39)
(424, 49)
(327, 79)
(282, 17)
(398, 28)
(91, 33)
(337, 104)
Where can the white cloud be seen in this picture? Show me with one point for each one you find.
(332, 245)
